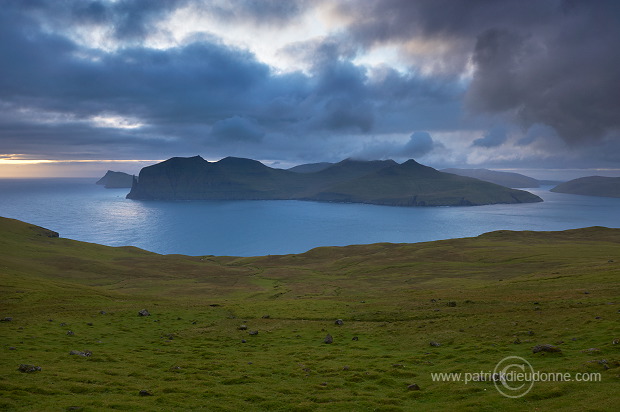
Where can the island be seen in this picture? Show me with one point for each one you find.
(508, 179)
(116, 180)
(380, 182)
(591, 186)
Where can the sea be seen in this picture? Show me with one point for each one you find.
(79, 209)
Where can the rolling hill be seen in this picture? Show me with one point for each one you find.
(591, 186)
(229, 333)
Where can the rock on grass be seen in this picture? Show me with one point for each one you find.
(28, 368)
(546, 348)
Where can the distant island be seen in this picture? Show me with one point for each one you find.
(591, 186)
(380, 182)
(116, 180)
(508, 179)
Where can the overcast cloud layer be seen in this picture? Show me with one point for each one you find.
(479, 83)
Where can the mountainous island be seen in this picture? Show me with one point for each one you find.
(380, 182)
(116, 180)
(508, 179)
(591, 186)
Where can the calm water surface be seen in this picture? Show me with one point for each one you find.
(79, 209)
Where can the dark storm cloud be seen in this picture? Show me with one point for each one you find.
(549, 61)
(186, 94)
(130, 20)
(550, 67)
(419, 144)
(134, 20)
(237, 128)
(493, 138)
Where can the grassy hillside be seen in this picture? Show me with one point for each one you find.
(192, 353)
(508, 179)
(413, 184)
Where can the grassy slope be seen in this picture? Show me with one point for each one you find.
(591, 186)
(383, 293)
(413, 184)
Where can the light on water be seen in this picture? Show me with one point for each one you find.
(79, 209)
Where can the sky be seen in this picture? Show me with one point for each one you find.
(87, 86)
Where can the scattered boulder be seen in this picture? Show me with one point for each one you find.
(517, 341)
(266, 316)
(530, 332)
(339, 322)
(414, 387)
(355, 338)
(346, 368)
(591, 350)
(6, 319)
(70, 333)
(102, 312)
(253, 332)
(80, 353)
(615, 341)
(28, 368)
(242, 340)
(546, 348)
(145, 393)
(451, 304)
(242, 327)
(435, 344)
(144, 312)
(328, 339)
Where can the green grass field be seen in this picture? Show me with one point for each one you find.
(559, 288)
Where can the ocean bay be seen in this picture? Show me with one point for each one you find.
(80, 210)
